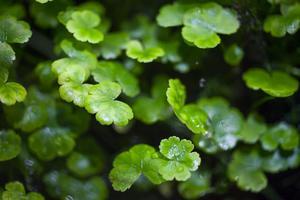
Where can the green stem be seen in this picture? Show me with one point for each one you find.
(261, 101)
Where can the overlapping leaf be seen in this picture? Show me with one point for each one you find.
(282, 135)
(276, 83)
(248, 166)
(101, 101)
(113, 71)
(288, 22)
(16, 190)
(191, 115)
(130, 165)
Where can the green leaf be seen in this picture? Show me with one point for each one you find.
(70, 70)
(74, 92)
(113, 44)
(73, 118)
(15, 9)
(12, 92)
(34, 116)
(10, 144)
(13, 30)
(180, 160)
(130, 165)
(51, 142)
(77, 67)
(276, 83)
(288, 22)
(245, 169)
(35, 112)
(135, 50)
(3, 75)
(252, 129)
(101, 100)
(171, 49)
(247, 166)
(196, 186)
(200, 37)
(190, 115)
(63, 186)
(225, 125)
(87, 159)
(152, 109)
(7, 55)
(233, 55)
(172, 15)
(83, 25)
(176, 94)
(275, 25)
(194, 118)
(114, 71)
(275, 162)
(16, 190)
(43, 1)
(44, 74)
(201, 24)
(281, 134)
(213, 106)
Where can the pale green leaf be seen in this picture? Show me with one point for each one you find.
(16, 191)
(83, 25)
(202, 23)
(12, 92)
(74, 92)
(135, 50)
(101, 100)
(276, 83)
(172, 15)
(176, 94)
(114, 71)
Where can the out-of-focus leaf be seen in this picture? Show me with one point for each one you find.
(10, 145)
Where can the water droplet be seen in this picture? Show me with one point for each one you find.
(69, 197)
(29, 163)
(202, 82)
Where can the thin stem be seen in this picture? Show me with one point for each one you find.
(261, 101)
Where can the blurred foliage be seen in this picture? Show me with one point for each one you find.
(217, 79)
